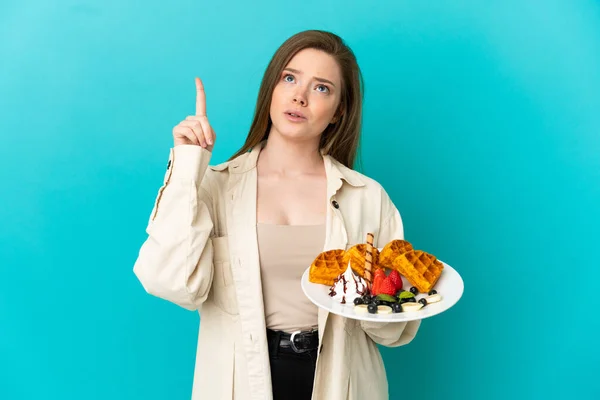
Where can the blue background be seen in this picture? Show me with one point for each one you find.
(482, 120)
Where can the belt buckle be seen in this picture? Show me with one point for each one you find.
(293, 345)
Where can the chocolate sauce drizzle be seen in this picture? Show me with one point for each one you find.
(360, 291)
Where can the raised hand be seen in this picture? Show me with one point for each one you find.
(195, 129)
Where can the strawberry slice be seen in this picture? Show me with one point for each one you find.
(377, 280)
(396, 279)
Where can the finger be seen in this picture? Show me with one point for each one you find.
(206, 128)
(213, 136)
(186, 132)
(200, 98)
(198, 130)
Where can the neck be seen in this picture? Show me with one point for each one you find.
(291, 157)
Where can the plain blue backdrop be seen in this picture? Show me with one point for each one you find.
(482, 120)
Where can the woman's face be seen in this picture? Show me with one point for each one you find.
(307, 96)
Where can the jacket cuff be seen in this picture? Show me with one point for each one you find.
(187, 163)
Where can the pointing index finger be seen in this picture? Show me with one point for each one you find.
(200, 99)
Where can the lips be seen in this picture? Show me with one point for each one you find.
(294, 113)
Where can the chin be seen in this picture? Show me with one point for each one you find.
(293, 134)
(298, 136)
(293, 131)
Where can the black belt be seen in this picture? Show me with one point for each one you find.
(298, 342)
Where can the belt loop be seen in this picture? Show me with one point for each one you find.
(276, 342)
(272, 342)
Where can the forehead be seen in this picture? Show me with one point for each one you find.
(316, 63)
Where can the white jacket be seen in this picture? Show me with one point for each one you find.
(202, 254)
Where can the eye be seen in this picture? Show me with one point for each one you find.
(288, 78)
(322, 89)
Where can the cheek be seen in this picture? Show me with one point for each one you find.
(275, 101)
(275, 96)
(280, 96)
(325, 107)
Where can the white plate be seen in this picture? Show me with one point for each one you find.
(450, 286)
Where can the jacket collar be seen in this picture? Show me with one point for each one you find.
(334, 169)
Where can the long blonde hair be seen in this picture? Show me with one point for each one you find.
(340, 139)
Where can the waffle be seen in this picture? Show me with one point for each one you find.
(356, 255)
(392, 250)
(327, 266)
(421, 269)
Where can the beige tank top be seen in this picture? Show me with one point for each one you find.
(286, 251)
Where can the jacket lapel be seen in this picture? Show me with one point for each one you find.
(337, 236)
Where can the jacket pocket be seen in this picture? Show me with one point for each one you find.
(223, 289)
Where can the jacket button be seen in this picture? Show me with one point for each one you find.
(169, 164)
(335, 204)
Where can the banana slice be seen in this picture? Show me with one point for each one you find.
(407, 307)
(361, 309)
(384, 309)
(434, 298)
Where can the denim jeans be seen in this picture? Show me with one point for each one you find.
(292, 374)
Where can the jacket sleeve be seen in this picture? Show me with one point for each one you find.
(391, 334)
(175, 262)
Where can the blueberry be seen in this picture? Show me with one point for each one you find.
(432, 292)
(358, 301)
(366, 298)
(423, 301)
(411, 300)
(372, 308)
(414, 290)
(396, 307)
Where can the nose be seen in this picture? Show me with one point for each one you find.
(300, 98)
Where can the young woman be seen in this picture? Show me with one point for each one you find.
(233, 240)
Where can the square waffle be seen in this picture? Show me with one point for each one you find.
(327, 266)
(421, 269)
(392, 250)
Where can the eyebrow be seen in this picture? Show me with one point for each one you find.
(316, 78)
